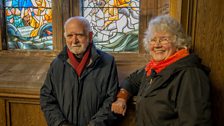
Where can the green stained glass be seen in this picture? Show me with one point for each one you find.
(115, 23)
(29, 24)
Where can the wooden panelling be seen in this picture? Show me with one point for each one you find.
(1, 22)
(163, 7)
(2, 112)
(128, 63)
(208, 43)
(148, 9)
(24, 113)
(25, 74)
(58, 7)
(175, 9)
(22, 76)
(75, 7)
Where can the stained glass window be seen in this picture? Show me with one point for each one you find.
(29, 24)
(115, 23)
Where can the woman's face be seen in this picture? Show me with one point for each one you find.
(161, 46)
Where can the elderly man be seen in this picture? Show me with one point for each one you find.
(81, 82)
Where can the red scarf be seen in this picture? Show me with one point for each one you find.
(79, 66)
(163, 64)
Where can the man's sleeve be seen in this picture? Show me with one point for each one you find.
(105, 117)
(49, 103)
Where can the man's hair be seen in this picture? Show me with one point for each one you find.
(166, 23)
(83, 20)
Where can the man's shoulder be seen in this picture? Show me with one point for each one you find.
(56, 61)
(105, 55)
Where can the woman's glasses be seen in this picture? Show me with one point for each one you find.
(160, 40)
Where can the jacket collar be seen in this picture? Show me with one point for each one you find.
(188, 61)
(94, 54)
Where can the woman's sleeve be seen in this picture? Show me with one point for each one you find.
(133, 81)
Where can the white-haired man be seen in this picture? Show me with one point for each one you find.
(81, 82)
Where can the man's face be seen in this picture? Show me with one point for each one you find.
(77, 39)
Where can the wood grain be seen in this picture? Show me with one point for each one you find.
(23, 112)
(209, 45)
(2, 112)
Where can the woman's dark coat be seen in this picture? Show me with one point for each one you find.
(80, 100)
(177, 96)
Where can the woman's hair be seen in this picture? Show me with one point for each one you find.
(167, 24)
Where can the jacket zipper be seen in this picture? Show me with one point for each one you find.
(79, 99)
(150, 82)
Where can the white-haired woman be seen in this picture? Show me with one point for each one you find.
(173, 89)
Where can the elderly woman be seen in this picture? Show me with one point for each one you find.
(173, 89)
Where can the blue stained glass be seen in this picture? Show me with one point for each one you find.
(28, 3)
(28, 27)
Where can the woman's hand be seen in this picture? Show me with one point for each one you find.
(119, 106)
